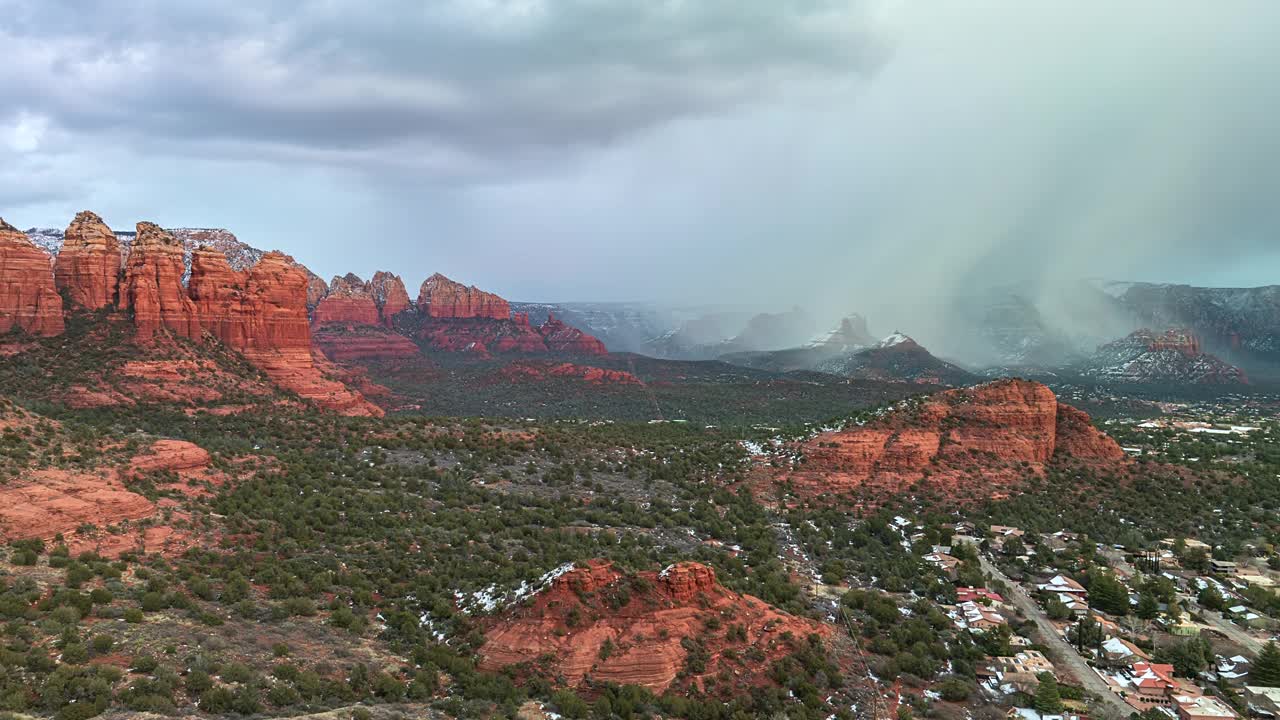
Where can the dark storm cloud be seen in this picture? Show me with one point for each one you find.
(454, 85)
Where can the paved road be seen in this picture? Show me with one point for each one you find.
(1233, 631)
(1049, 636)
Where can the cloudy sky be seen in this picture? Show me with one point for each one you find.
(835, 153)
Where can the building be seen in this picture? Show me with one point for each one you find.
(1223, 567)
(949, 565)
(974, 616)
(1152, 683)
(1263, 701)
(1119, 650)
(1202, 707)
(972, 594)
(1022, 670)
(1060, 584)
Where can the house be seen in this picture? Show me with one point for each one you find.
(978, 617)
(949, 565)
(1252, 578)
(1263, 701)
(1033, 714)
(1233, 670)
(1119, 650)
(1060, 584)
(1152, 683)
(972, 594)
(1022, 670)
(1074, 604)
(1223, 567)
(1189, 543)
(1000, 534)
(1202, 707)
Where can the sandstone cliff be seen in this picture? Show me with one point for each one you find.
(88, 266)
(441, 297)
(29, 301)
(152, 287)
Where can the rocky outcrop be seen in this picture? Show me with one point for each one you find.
(975, 442)
(348, 301)
(317, 288)
(87, 271)
(443, 298)
(388, 293)
(542, 371)
(648, 621)
(29, 301)
(564, 338)
(896, 358)
(152, 289)
(1171, 357)
(177, 456)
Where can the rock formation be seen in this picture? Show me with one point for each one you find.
(348, 301)
(1172, 357)
(441, 297)
(648, 620)
(177, 456)
(359, 344)
(152, 287)
(388, 293)
(88, 267)
(29, 301)
(564, 338)
(979, 441)
(542, 371)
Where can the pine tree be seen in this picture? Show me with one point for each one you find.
(1048, 700)
(1266, 668)
(1148, 606)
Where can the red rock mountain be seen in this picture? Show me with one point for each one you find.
(389, 295)
(88, 267)
(978, 441)
(29, 301)
(643, 618)
(441, 297)
(348, 301)
(564, 338)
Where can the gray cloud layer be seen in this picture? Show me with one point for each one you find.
(873, 155)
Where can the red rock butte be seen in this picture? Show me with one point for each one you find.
(643, 617)
(978, 442)
(29, 299)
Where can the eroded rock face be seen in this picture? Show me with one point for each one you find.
(29, 301)
(560, 337)
(643, 617)
(542, 371)
(976, 441)
(152, 286)
(357, 344)
(348, 301)
(388, 293)
(87, 270)
(441, 297)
